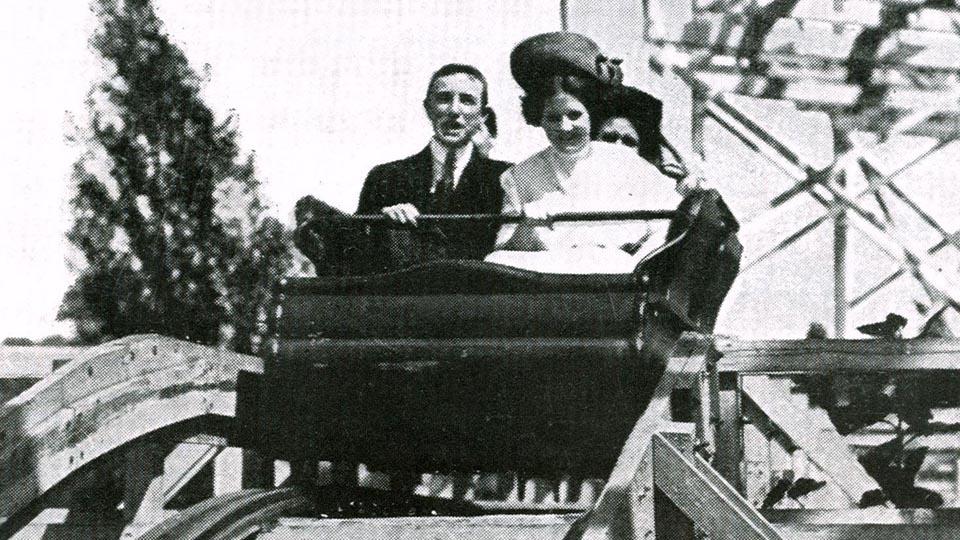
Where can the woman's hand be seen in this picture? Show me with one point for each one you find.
(543, 209)
(695, 180)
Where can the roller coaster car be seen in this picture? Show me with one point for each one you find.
(466, 365)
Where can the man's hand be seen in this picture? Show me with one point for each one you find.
(404, 213)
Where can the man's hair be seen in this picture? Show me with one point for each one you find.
(490, 121)
(453, 69)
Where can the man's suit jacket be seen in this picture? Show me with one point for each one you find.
(409, 181)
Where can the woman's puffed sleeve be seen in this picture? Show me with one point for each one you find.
(512, 205)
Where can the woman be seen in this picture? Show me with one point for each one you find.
(632, 118)
(574, 174)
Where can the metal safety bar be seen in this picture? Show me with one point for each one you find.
(629, 215)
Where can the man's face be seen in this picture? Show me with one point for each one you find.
(454, 108)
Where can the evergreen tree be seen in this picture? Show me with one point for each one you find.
(167, 214)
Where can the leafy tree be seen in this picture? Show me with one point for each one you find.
(17, 342)
(167, 213)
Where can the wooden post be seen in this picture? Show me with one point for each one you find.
(840, 268)
(228, 471)
(698, 110)
(143, 484)
(729, 453)
(257, 471)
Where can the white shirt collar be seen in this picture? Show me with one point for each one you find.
(439, 153)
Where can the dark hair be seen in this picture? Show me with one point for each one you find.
(490, 121)
(588, 91)
(453, 69)
(643, 111)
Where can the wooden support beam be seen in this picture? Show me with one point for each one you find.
(257, 470)
(795, 139)
(836, 355)
(516, 527)
(840, 271)
(811, 430)
(183, 463)
(849, 12)
(867, 524)
(702, 495)
(725, 33)
(228, 471)
(143, 484)
(109, 396)
(944, 287)
(728, 455)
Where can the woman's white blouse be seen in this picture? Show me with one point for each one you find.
(606, 177)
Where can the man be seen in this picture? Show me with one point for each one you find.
(447, 177)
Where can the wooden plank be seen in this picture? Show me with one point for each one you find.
(836, 355)
(852, 12)
(866, 516)
(506, 527)
(811, 430)
(867, 524)
(703, 495)
(724, 33)
(109, 396)
(35, 361)
(869, 532)
(821, 93)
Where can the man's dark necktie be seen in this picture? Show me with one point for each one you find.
(444, 190)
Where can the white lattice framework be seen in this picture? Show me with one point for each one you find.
(855, 102)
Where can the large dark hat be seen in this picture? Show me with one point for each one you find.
(636, 105)
(561, 53)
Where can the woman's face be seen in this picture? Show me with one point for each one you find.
(619, 130)
(566, 122)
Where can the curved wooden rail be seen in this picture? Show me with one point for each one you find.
(230, 517)
(107, 397)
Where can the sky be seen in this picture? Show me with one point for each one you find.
(322, 91)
